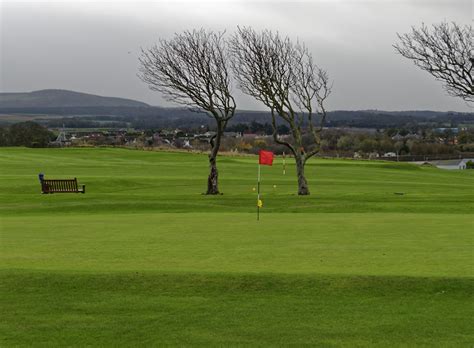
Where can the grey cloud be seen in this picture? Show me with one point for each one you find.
(93, 46)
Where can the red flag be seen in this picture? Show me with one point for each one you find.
(265, 157)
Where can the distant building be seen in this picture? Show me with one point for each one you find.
(232, 134)
(398, 137)
(413, 136)
(250, 135)
(61, 140)
(209, 134)
(463, 163)
(389, 154)
(442, 130)
(204, 137)
(460, 164)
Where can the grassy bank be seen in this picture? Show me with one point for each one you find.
(144, 258)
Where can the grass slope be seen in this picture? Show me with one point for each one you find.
(144, 259)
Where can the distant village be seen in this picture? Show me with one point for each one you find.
(171, 138)
(438, 143)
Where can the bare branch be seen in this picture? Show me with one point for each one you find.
(283, 76)
(192, 69)
(445, 51)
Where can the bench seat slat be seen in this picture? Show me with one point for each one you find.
(61, 186)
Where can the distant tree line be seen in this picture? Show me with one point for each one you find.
(258, 128)
(403, 141)
(87, 122)
(28, 134)
(154, 117)
(346, 143)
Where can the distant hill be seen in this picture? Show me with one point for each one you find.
(54, 98)
(53, 107)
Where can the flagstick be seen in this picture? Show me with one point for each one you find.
(284, 164)
(258, 193)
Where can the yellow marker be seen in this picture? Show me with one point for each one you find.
(253, 189)
(259, 203)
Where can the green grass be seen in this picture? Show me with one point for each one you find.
(143, 258)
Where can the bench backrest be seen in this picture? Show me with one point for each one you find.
(67, 185)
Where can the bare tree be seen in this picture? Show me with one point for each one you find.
(192, 69)
(446, 52)
(283, 76)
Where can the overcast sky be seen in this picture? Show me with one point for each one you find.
(92, 46)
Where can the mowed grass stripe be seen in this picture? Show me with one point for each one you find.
(352, 244)
(58, 309)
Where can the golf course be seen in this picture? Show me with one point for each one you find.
(379, 255)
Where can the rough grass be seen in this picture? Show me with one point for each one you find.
(144, 259)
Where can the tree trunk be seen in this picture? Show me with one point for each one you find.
(303, 189)
(212, 180)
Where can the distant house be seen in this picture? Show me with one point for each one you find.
(397, 137)
(413, 136)
(209, 134)
(463, 164)
(232, 134)
(442, 130)
(166, 134)
(251, 135)
(204, 136)
(390, 154)
(453, 164)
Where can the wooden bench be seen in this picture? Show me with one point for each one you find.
(61, 186)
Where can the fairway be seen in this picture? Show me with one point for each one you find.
(143, 258)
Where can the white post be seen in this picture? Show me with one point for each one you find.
(258, 193)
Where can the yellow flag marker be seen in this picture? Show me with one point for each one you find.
(259, 203)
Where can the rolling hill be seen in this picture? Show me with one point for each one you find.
(63, 98)
(51, 104)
